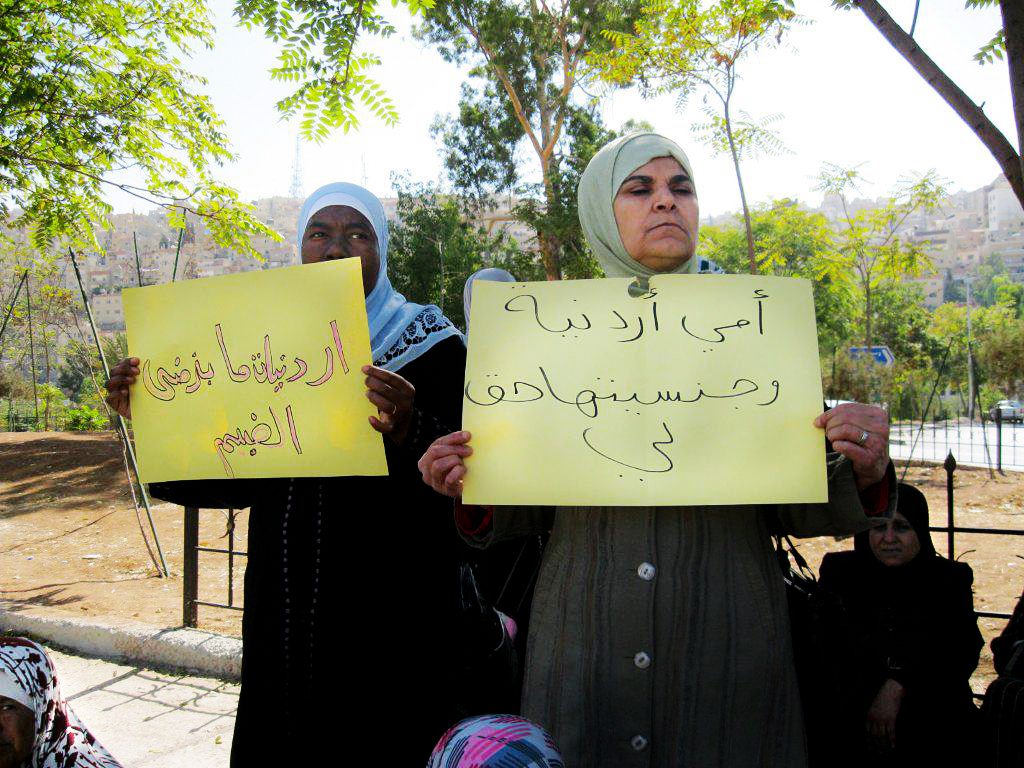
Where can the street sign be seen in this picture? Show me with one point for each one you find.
(881, 355)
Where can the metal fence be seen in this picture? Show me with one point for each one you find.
(190, 577)
(22, 420)
(951, 529)
(192, 549)
(996, 444)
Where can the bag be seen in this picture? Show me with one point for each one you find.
(822, 653)
(487, 659)
(1002, 715)
(1002, 711)
(1006, 655)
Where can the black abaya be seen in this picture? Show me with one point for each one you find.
(350, 597)
(915, 624)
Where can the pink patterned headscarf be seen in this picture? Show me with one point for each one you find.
(61, 740)
(496, 741)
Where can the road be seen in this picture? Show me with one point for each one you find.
(971, 444)
(148, 718)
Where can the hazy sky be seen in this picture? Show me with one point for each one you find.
(845, 96)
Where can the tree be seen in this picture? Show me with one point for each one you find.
(953, 290)
(1000, 355)
(90, 88)
(14, 385)
(684, 47)
(30, 341)
(949, 324)
(1009, 39)
(479, 155)
(991, 284)
(318, 51)
(1009, 294)
(901, 322)
(790, 242)
(559, 217)
(79, 362)
(53, 406)
(857, 378)
(529, 61)
(870, 250)
(435, 246)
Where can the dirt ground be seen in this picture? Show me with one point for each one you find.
(72, 544)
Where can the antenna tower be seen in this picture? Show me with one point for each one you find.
(296, 188)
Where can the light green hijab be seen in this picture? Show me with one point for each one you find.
(598, 186)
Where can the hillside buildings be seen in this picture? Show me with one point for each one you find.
(974, 228)
(969, 230)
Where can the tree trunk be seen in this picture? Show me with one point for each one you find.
(743, 195)
(1008, 158)
(867, 317)
(46, 376)
(550, 251)
(1013, 31)
(32, 352)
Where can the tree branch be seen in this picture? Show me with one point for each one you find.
(1013, 32)
(506, 83)
(1009, 159)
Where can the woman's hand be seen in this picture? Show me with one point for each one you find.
(122, 376)
(393, 397)
(442, 466)
(861, 433)
(881, 722)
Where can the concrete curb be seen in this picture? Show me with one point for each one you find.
(206, 653)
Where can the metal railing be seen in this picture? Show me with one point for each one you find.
(951, 528)
(192, 549)
(13, 421)
(190, 577)
(992, 443)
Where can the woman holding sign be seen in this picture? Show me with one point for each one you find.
(659, 635)
(342, 570)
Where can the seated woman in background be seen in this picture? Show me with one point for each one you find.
(915, 639)
(37, 727)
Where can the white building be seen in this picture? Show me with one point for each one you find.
(107, 311)
(1004, 209)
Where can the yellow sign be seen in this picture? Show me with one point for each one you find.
(253, 375)
(701, 391)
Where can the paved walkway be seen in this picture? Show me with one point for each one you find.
(148, 718)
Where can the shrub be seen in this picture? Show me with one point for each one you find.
(84, 418)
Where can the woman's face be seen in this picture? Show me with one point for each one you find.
(894, 543)
(17, 733)
(341, 232)
(656, 213)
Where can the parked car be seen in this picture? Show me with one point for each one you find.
(1010, 410)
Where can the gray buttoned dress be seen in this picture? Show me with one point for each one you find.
(660, 636)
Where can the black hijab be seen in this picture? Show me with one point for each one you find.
(912, 504)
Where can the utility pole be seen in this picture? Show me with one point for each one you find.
(296, 188)
(970, 360)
